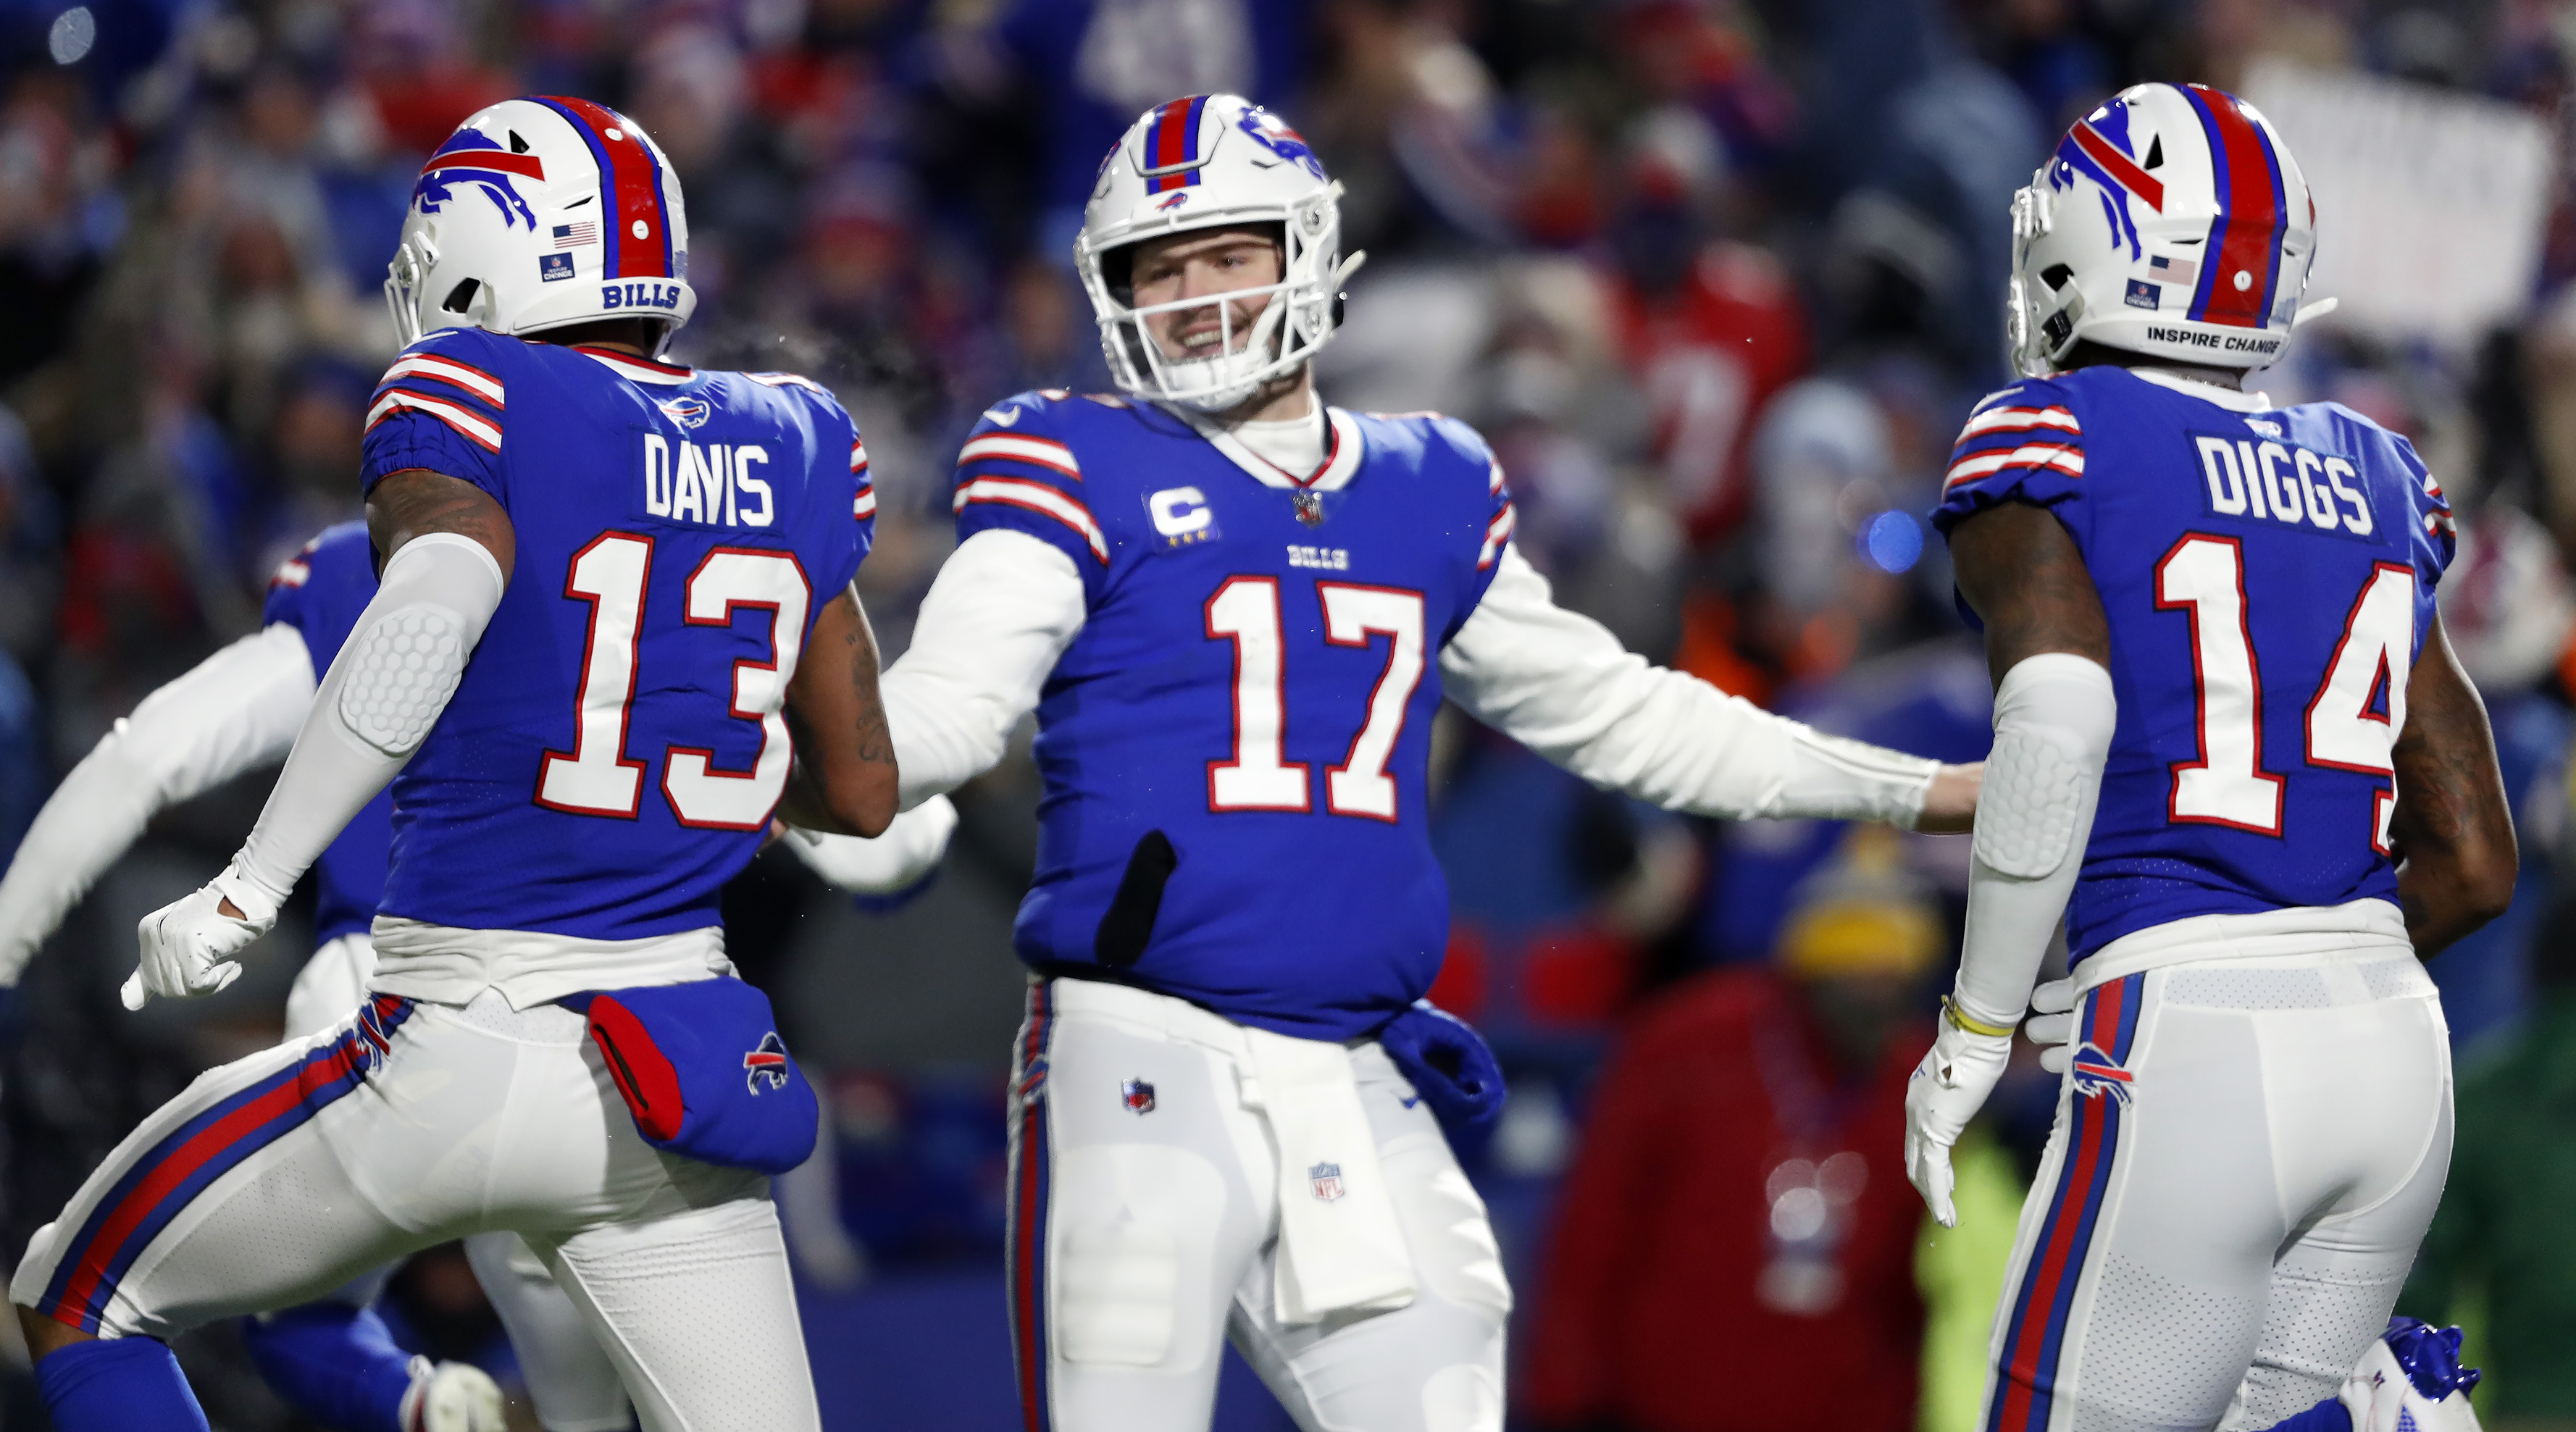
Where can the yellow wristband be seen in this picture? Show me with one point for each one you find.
(1950, 1011)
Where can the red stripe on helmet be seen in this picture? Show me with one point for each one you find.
(2246, 235)
(1171, 135)
(632, 191)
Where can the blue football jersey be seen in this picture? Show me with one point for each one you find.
(616, 747)
(1235, 747)
(2268, 578)
(319, 592)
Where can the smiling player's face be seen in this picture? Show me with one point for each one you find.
(1204, 264)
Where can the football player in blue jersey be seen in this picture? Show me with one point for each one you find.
(596, 623)
(237, 711)
(2234, 751)
(1235, 611)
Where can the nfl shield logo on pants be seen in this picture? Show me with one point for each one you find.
(1138, 1096)
(1327, 1178)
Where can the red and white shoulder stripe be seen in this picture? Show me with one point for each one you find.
(789, 380)
(468, 424)
(294, 572)
(1497, 533)
(1020, 447)
(439, 368)
(2021, 419)
(865, 504)
(2062, 457)
(1036, 497)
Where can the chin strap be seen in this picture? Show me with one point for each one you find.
(2318, 309)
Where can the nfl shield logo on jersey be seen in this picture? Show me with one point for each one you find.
(766, 1063)
(1327, 1179)
(2097, 1074)
(1137, 1095)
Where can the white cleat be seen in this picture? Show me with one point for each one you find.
(452, 1397)
(2411, 1381)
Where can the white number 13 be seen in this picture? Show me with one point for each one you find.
(596, 777)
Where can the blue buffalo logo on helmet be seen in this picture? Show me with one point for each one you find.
(766, 1063)
(1272, 133)
(688, 412)
(2098, 1075)
(472, 157)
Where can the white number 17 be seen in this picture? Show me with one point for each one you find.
(1245, 611)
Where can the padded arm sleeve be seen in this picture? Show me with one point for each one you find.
(236, 711)
(1560, 684)
(1004, 606)
(2053, 719)
(404, 657)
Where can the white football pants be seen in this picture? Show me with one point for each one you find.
(569, 1377)
(2247, 1152)
(1143, 1237)
(279, 1177)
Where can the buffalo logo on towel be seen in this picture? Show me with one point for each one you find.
(766, 1063)
(1138, 1096)
(1327, 1179)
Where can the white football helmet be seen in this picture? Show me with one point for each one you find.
(2171, 221)
(1206, 161)
(542, 212)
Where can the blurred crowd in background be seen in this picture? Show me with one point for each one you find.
(1718, 278)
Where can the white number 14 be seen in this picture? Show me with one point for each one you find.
(2228, 785)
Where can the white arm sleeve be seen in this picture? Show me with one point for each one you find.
(885, 863)
(2053, 718)
(382, 694)
(1560, 684)
(236, 711)
(1003, 608)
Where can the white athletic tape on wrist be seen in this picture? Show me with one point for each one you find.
(2026, 811)
(400, 675)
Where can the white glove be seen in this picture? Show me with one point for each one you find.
(2051, 1025)
(1947, 1089)
(893, 861)
(189, 944)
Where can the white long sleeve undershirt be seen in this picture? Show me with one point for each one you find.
(1006, 605)
(239, 709)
